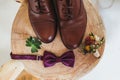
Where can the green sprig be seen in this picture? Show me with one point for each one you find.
(91, 34)
(34, 43)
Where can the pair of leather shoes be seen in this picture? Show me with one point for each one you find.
(69, 15)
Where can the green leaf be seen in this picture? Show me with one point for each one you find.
(34, 43)
(103, 39)
(33, 50)
(28, 45)
(91, 34)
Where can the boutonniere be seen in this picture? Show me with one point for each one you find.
(91, 45)
(34, 43)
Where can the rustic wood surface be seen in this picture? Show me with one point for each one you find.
(22, 30)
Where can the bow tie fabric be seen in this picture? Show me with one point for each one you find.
(49, 59)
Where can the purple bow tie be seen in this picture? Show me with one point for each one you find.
(49, 59)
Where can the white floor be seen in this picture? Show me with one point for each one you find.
(109, 66)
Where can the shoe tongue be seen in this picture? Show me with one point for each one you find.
(68, 9)
(40, 6)
(44, 6)
(34, 6)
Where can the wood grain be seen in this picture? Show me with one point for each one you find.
(83, 63)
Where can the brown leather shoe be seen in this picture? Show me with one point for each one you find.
(42, 18)
(73, 19)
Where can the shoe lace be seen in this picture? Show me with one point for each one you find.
(41, 6)
(67, 9)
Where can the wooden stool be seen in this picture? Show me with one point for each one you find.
(34, 70)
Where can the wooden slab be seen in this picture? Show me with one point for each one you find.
(83, 63)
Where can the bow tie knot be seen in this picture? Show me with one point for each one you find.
(58, 59)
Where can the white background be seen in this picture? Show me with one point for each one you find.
(109, 66)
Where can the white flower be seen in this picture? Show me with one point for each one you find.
(97, 38)
(97, 54)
